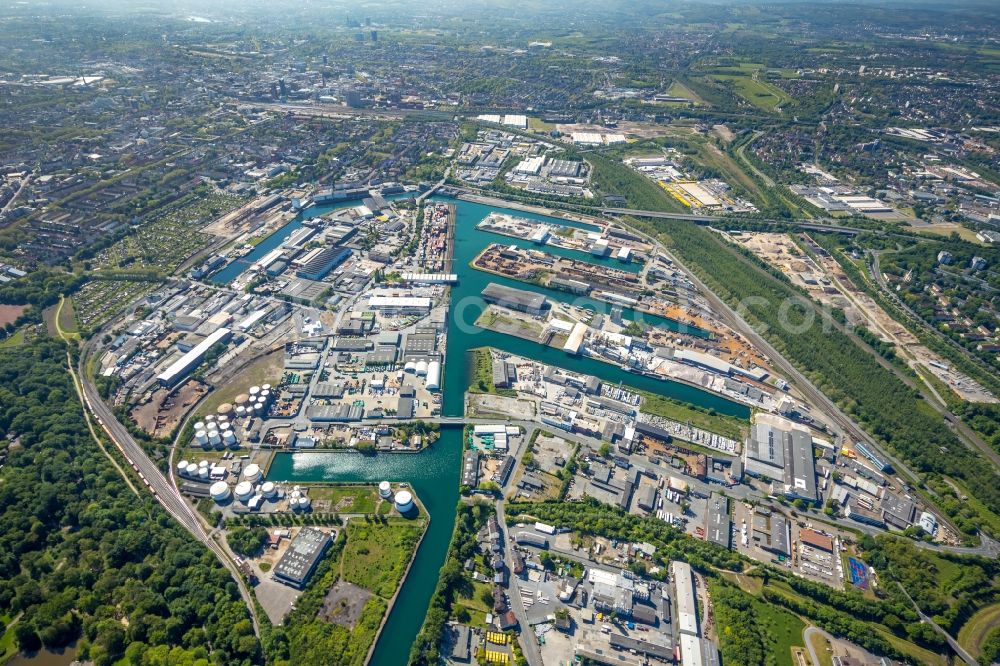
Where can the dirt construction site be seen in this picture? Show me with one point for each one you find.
(826, 282)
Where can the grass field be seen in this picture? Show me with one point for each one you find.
(376, 555)
(678, 89)
(347, 499)
(974, 632)
(783, 629)
(821, 645)
(946, 229)
(67, 317)
(15, 340)
(727, 426)
(918, 654)
(471, 600)
(760, 93)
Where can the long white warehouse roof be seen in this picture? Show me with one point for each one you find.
(575, 339)
(691, 651)
(184, 363)
(687, 613)
(399, 302)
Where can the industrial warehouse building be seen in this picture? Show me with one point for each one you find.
(685, 599)
(782, 451)
(303, 554)
(401, 305)
(515, 299)
(189, 361)
(319, 266)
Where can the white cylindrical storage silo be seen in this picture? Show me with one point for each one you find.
(433, 376)
(219, 491)
(200, 425)
(385, 490)
(258, 408)
(209, 420)
(182, 467)
(201, 437)
(192, 469)
(265, 396)
(421, 368)
(410, 367)
(214, 437)
(229, 438)
(404, 501)
(203, 473)
(265, 387)
(241, 412)
(304, 502)
(254, 390)
(252, 473)
(268, 490)
(244, 490)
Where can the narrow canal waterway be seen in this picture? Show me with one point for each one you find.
(434, 474)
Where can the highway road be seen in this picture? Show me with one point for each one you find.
(162, 489)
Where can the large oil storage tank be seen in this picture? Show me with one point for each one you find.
(242, 399)
(241, 412)
(384, 490)
(214, 437)
(421, 368)
(200, 425)
(244, 490)
(304, 502)
(201, 437)
(192, 470)
(254, 390)
(433, 376)
(404, 501)
(228, 437)
(203, 473)
(268, 490)
(265, 387)
(225, 409)
(252, 473)
(182, 467)
(219, 491)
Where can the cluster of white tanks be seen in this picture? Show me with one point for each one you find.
(402, 500)
(255, 401)
(192, 470)
(216, 430)
(298, 500)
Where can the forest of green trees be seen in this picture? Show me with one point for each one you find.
(82, 558)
